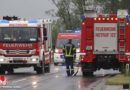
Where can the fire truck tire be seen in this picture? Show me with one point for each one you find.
(47, 68)
(90, 73)
(122, 68)
(63, 64)
(2, 71)
(87, 73)
(55, 64)
(10, 71)
(39, 70)
(84, 73)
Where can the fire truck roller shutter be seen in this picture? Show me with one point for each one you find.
(105, 38)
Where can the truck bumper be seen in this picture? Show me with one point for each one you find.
(87, 67)
(58, 58)
(19, 60)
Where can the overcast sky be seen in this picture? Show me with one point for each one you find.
(31, 9)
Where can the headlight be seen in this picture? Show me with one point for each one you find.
(56, 50)
(34, 59)
(77, 50)
(2, 51)
(1, 60)
(89, 47)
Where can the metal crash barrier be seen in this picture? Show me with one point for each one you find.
(127, 69)
(127, 72)
(126, 87)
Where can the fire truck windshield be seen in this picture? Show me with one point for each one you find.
(18, 34)
(62, 42)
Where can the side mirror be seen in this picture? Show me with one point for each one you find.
(38, 39)
(45, 38)
(44, 32)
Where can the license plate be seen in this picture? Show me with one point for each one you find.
(17, 59)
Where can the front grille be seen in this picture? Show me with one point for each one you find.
(17, 61)
(17, 51)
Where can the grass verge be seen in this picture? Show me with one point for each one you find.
(118, 80)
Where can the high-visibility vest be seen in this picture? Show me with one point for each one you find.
(69, 50)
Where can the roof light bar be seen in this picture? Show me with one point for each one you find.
(33, 21)
(76, 31)
(83, 18)
(4, 21)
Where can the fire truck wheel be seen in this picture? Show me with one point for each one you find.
(63, 64)
(90, 73)
(2, 71)
(84, 73)
(87, 73)
(47, 68)
(55, 64)
(39, 70)
(11, 71)
(122, 67)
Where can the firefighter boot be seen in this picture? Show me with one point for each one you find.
(68, 72)
(72, 72)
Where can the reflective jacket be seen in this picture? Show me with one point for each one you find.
(69, 50)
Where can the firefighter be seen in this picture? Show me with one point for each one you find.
(69, 51)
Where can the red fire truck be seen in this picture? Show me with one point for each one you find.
(62, 39)
(24, 44)
(104, 41)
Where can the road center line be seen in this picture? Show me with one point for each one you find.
(15, 81)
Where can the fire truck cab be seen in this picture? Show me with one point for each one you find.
(24, 44)
(104, 41)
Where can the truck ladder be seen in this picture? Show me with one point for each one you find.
(122, 38)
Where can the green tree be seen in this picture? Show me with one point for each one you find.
(125, 4)
(64, 12)
(111, 6)
(69, 14)
(79, 7)
(56, 29)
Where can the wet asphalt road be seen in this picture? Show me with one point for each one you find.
(27, 79)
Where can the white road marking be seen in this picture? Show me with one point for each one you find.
(15, 81)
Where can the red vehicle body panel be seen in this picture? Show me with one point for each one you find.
(69, 36)
(87, 36)
(26, 46)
